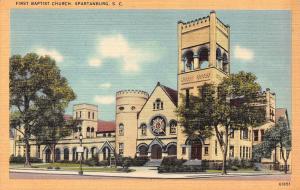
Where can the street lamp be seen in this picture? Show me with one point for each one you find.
(80, 151)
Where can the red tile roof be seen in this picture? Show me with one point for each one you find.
(103, 126)
(106, 126)
(67, 117)
(280, 112)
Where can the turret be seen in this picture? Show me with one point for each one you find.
(128, 105)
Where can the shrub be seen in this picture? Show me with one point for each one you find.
(205, 164)
(243, 163)
(236, 162)
(249, 164)
(246, 163)
(103, 163)
(17, 159)
(21, 159)
(49, 167)
(234, 168)
(217, 166)
(57, 168)
(182, 168)
(35, 160)
(92, 162)
(140, 161)
(119, 160)
(127, 163)
(172, 161)
(256, 168)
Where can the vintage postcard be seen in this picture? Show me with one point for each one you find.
(151, 94)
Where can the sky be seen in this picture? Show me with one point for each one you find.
(103, 51)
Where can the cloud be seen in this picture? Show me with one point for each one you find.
(104, 99)
(95, 62)
(104, 85)
(117, 47)
(53, 53)
(243, 53)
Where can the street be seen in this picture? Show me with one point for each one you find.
(16, 175)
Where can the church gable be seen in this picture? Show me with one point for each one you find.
(162, 99)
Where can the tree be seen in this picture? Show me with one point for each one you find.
(274, 137)
(221, 109)
(53, 126)
(34, 81)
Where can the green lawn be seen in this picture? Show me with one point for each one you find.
(213, 171)
(61, 165)
(69, 167)
(242, 170)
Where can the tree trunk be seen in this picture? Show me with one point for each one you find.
(27, 154)
(224, 168)
(285, 159)
(53, 152)
(285, 167)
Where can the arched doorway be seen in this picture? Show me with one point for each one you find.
(156, 152)
(74, 154)
(94, 152)
(57, 154)
(172, 150)
(48, 155)
(196, 152)
(106, 153)
(86, 153)
(66, 154)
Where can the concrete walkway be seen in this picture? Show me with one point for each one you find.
(144, 172)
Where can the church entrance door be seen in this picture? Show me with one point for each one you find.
(156, 152)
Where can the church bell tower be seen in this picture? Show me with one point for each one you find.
(204, 52)
(203, 57)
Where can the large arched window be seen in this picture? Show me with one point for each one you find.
(219, 58)
(66, 153)
(88, 132)
(188, 61)
(74, 154)
(225, 63)
(92, 132)
(143, 150)
(203, 58)
(121, 129)
(57, 154)
(173, 127)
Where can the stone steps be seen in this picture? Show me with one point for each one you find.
(153, 163)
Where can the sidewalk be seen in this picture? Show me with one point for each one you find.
(144, 172)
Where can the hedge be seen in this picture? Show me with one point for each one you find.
(21, 159)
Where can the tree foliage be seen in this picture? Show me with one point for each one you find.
(276, 136)
(35, 85)
(220, 108)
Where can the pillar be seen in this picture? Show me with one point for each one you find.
(196, 62)
(212, 36)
